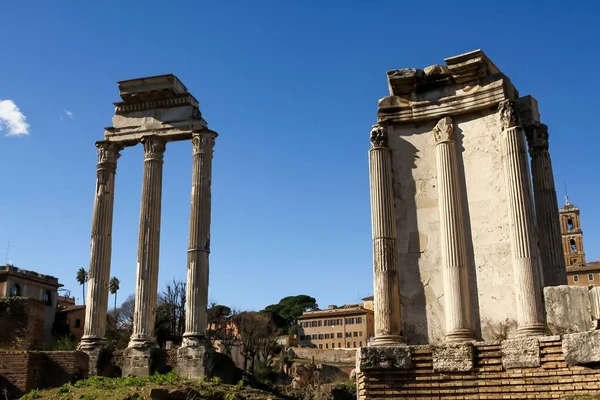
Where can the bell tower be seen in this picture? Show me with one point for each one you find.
(572, 236)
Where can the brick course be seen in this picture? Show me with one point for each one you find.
(554, 379)
(23, 371)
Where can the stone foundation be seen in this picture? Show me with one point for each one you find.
(500, 370)
(142, 361)
(195, 362)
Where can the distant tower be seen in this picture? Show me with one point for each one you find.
(572, 236)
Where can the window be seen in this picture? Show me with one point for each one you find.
(77, 323)
(348, 345)
(320, 336)
(319, 323)
(15, 290)
(359, 320)
(332, 345)
(320, 346)
(572, 246)
(327, 335)
(359, 333)
(339, 335)
(326, 345)
(570, 224)
(355, 334)
(314, 323)
(348, 334)
(360, 344)
(590, 277)
(339, 321)
(325, 323)
(47, 298)
(339, 345)
(575, 278)
(354, 344)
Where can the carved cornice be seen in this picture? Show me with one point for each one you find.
(379, 136)
(154, 148)
(108, 154)
(181, 100)
(443, 131)
(203, 143)
(508, 114)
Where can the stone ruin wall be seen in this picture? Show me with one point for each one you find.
(417, 224)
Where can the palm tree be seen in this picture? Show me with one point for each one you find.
(82, 277)
(113, 287)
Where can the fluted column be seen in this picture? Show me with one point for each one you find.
(385, 257)
(453, 248)
(530, 312)
(148, 245)
(101, 247)
(199, 240)
(546, 206)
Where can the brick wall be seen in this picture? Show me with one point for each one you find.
(21, 372)
(487, 380)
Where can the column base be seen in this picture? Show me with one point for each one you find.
(531, 330)
(196, 362)
(459, 335)
(141, 361)
(387, 340)
(99, 355)
(141, 342)
(91, 343)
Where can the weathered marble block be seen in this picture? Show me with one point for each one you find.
(453, 357)
(521, 353)
(396, 357)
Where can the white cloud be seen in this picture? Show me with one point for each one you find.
(12, 120)
(69, 113)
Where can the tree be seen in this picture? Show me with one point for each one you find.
(286, 312)
(120, 323)
(221, 326)
(82, 277)
(255, 330)
(113, 287)
(170, 313)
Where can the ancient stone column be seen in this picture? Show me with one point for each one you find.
(530, 312)
(148, 245)
(101, 247)
(453, 248)
(199, 241)
(385, 257)
(546, 204)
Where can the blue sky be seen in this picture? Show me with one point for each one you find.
(292, 89)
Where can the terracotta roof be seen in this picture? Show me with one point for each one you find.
(69, 308)
(334, 312)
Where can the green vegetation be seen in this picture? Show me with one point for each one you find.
(286, 312)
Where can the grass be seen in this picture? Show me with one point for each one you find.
(139, 388)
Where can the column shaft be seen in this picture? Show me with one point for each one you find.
(530, 312)
(101, 247)
(385, 256)
(148, 245)
(199, 240)
(454, 256)
(546, 206)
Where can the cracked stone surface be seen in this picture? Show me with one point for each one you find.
(396, 357)
(581, 348)
(453, 357)
(521, 353)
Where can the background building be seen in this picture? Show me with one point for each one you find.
(579, 272)
(35, 286)
(346, 327)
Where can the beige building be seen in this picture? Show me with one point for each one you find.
(579, 272)
(346, 327)
(23, 283)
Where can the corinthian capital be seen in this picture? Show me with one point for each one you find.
(508, 114)
(537, 138)
(203, 143)
(379, 136)
(443, 131)
(154, 148)
(108, 153)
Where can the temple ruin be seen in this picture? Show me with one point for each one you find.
(466, 242)
(154, 111)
